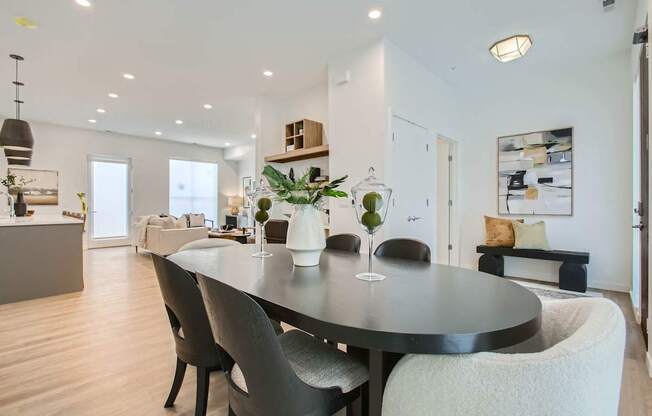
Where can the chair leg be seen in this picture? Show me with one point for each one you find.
(355, 407)
(203, 380)
(176, 384)
(231, 412)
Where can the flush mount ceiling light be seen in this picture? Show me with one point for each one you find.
(208, 106)
(113, 95)
(375, 14)
(511, 48)
(179, 122)
(253, 136)
(84, 3)
(268, 73)
(227, 144)
(101, 110)
(128, 76)
(92, 120)
(16, 134)
(158, 133)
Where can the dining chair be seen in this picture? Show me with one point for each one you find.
(571, 367)
(294, 374)
(404, 248)
(276, 231)
(344, 242)
(191, 330)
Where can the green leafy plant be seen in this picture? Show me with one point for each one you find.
(301, 191)
(15, 183)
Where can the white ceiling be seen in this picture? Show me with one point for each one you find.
(188, 53)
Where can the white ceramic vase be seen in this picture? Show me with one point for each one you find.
(306, 238)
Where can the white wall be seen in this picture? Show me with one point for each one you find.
(595, 99)
(66, 150)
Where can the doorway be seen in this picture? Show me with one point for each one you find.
(109, 201)
(447, 236)
(642, 208)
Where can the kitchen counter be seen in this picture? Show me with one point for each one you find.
(37, 220)
(40, 256)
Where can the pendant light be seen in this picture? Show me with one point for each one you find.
(18, 157)
(16, 133)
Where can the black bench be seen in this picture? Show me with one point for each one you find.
(572, 273)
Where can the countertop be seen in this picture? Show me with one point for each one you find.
(43, 219)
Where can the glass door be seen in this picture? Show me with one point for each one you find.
(109, 202)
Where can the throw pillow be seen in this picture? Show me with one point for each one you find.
(499, 232)
(164, 222)
(532, 236)
(181, 222)
(196, 220)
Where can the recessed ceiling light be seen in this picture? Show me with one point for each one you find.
(227, 144)
(128, 76)
(158, 133)
(375, 14)
(92, 121)
(113, 95)
(84, 3)
(511, 48)
(208, 106)
(101, 110)
(268, 73)
(179, 121)
(253, 136)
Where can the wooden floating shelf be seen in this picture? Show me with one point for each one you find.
(299, 154)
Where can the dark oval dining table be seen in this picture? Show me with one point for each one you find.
(419, 308)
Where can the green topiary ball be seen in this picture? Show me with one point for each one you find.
(371, 220)
(264, 204)
(372, 201)
(262, 216)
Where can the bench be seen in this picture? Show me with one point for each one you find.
(572, 272)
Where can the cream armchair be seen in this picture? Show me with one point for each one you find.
(572, 367)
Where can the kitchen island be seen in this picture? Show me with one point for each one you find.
(40, 256)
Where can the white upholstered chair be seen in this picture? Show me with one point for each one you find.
(208, 243)
(572, 367)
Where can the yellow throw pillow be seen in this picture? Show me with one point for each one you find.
(499, 232)
(532, 236)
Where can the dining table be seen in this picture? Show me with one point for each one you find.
(420, 308)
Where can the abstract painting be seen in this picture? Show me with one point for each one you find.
(43, 188)
(247, 183)
(535, 173)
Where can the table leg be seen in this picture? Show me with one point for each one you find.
(376, 382)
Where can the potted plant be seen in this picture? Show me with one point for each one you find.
(15, 184)
(306, 237)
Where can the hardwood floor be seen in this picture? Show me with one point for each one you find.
(108, 350)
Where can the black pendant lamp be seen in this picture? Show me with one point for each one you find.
(16, 133)
(18, 157)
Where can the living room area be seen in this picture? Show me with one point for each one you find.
(360, 208)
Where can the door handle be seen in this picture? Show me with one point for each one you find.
(411, 218)
(639, 226)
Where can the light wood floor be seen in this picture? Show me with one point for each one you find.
(108, 350)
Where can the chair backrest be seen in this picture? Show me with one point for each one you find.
(404, 248)
(345, 242)
(573, 369)
(185, 308)
(247, 338)
(276, 231)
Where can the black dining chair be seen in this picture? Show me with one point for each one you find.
(404, 248)
(294, 374)
(344, 242)
(276, 231)
(191, 329)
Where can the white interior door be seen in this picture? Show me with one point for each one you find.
(447, 229)
(413, 164)
(109, 202)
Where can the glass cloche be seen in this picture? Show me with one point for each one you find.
(261, 207)
(371, 200)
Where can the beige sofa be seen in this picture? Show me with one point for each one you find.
(163, 240)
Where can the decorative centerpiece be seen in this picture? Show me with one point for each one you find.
(262, 204)
(15, 185)
(371, 201)
(306, 238)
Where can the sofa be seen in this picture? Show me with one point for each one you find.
(165, 235)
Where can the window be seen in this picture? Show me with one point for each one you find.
(193, 188)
